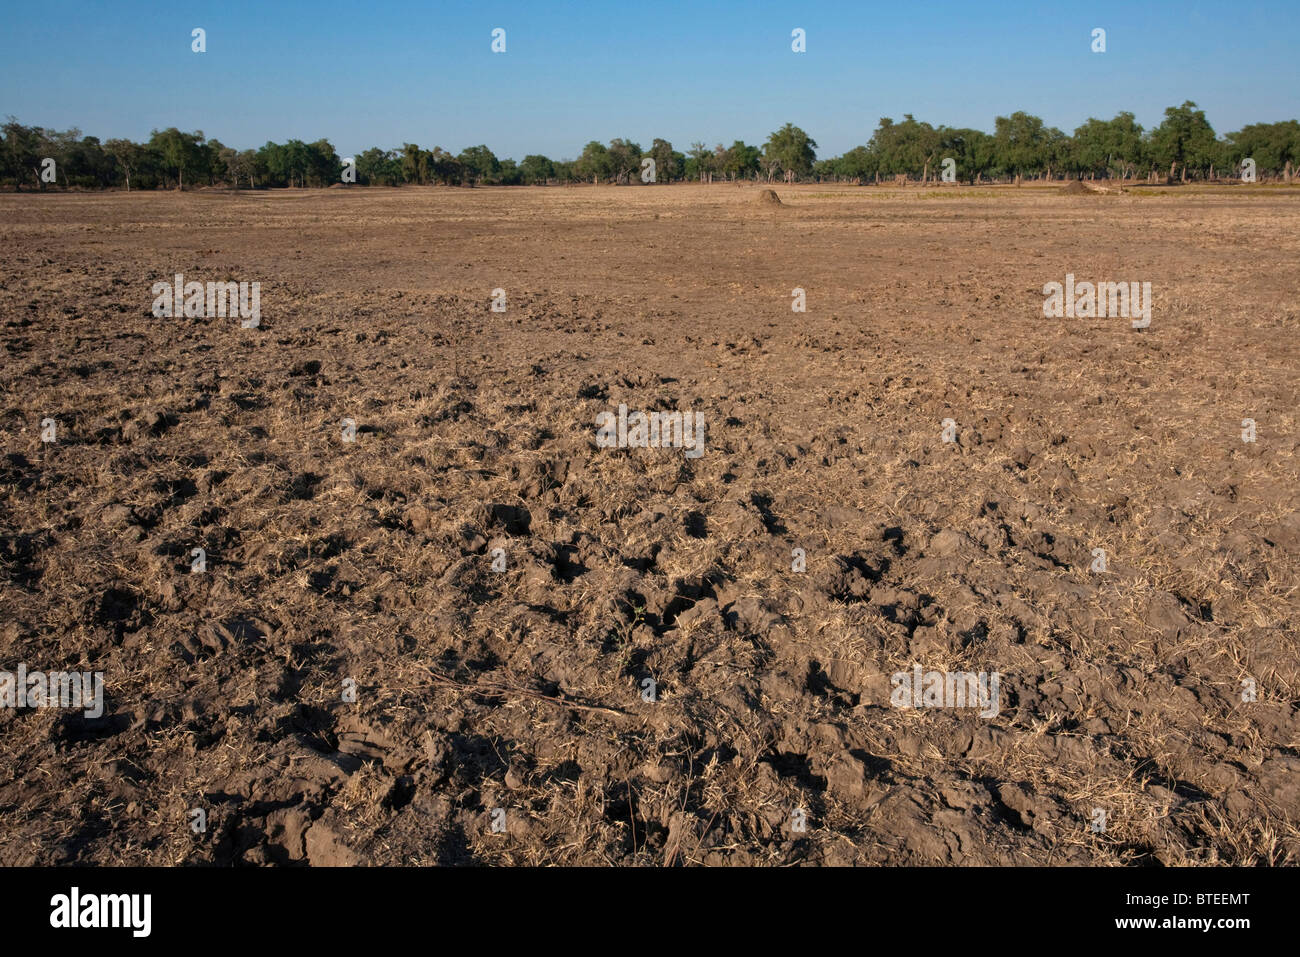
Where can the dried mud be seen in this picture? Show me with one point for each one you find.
(522, 689)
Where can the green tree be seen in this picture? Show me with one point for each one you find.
(858, 164)
(126, 155)
(1275, 147)
(379, 167)
(322, 164)
(1185, 139)
(21, 154)
(741, 161)
(594, 163)
(510, 174)
(254, 165)
(624, 160)
(445, 168)
(536, 170)
(480, 165)
(909, 148)
(668, 164)
(1106, 147)
(288, 163)
(790, 150)
(230, 160)
(415, 165)
(180, 153)
(80, 160)
(697, 162)
(1022, 144)
(972, 150)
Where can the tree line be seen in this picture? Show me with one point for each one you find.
(1183, 146)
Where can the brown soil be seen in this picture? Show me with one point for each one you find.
(521, 689)
(768, 197)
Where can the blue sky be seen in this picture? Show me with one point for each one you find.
(384, 73)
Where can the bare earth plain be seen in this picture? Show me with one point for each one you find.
(334, 564)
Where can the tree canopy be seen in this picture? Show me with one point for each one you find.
(1183, 146)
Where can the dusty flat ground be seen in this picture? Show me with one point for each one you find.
(371, 562)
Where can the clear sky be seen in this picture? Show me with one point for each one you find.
(381, 73)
